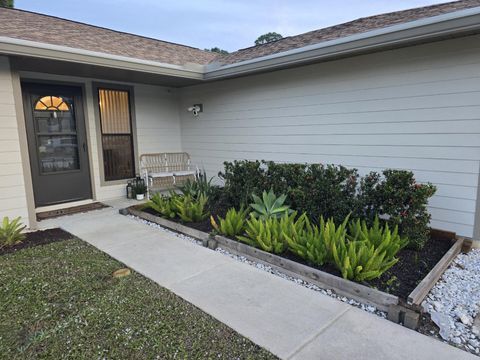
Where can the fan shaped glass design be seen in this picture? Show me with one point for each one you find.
(54, 103)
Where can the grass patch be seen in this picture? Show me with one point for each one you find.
(60, 301)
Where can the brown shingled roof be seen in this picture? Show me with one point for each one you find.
(52, 30)
(349, 28)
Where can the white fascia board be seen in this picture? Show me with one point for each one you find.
(13, 46)
(396, 35)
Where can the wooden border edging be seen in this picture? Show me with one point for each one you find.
(418, 294)
(169, 224)
(341, 286)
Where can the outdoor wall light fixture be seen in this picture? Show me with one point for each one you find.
(195, 109)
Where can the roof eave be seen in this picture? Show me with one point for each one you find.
(455, 23)
(20, 47)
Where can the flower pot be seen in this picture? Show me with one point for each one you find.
(140, 196)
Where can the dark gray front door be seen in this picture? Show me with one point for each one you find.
(57, 143)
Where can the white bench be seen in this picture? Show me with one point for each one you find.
(163, 171)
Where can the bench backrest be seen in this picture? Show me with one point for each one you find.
(164, 162)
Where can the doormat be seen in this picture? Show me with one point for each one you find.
(69, 211)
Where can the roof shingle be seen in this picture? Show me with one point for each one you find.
(26, 25)
(349, 28)
(52, 30)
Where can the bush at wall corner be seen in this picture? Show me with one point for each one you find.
(397, 197)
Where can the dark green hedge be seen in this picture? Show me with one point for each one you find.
(336, 191)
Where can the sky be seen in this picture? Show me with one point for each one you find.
(230, 25)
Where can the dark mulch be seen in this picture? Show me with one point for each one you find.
(36, 238)
(400, 280)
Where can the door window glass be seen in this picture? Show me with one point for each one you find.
(56, 134)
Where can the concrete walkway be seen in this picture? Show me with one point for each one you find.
(287, 319)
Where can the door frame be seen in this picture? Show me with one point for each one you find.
(84, 112)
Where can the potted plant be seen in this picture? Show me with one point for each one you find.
(140, 189)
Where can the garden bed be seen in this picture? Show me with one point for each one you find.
(400, 280)
(36, 238)
(389, 293)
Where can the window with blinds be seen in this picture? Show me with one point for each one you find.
(117, 137)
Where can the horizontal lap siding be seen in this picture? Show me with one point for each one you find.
(416, 108)
(13, 201)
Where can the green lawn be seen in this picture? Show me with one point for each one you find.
(60, 301)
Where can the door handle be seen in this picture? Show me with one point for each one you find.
(84, 146)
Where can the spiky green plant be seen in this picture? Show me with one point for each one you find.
(268, 234)
(307, 240)
(379, 236)
(164, 205)
(233, 224)
(269, 205)
(359, 260)
(201, 185)
(191, 209)
(11, 232)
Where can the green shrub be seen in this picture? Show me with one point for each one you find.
(335, 191)
(190, 209)
(397, 196)
(164, 205)
(242, 179)
(233, 224)
(307, 240)
(269, 205)
(11, 232)
(318, 190)
(268, 234)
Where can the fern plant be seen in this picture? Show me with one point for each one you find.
(233, 224)
(11, 232)
(269, 205)
(191, 209)
(163, 205)
(268, 234)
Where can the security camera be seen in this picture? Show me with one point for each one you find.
(195, 109)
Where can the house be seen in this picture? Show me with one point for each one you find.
(80, 103)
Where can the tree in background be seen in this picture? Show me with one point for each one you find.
(267, 38)
(6, 3)
(218, 50)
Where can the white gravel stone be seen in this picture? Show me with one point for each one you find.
(269, 269)
(453, 303)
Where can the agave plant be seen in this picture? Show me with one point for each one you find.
(11, 232)
(269, 205)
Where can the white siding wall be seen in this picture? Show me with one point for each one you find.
(416, 108)
(13, 201)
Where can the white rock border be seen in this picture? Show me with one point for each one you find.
(368, 308)
(454, 302)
